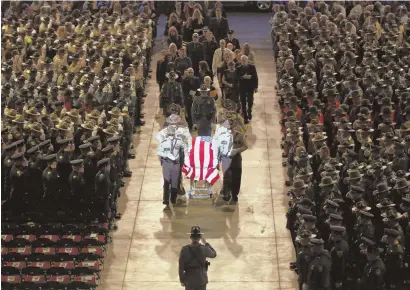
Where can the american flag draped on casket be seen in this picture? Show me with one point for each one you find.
(201, 162)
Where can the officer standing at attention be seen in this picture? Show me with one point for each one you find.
(77, 182)
(374, 270)
(169, 151)
(320, 267)
(193, 266)
(51, 180)
(103, 187)
(203, 112)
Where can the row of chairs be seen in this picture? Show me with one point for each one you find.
(31, 228)
(52, 254)
(49, 282)
(17, 241)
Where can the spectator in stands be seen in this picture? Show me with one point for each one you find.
(219, 54)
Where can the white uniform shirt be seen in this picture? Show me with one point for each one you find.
(181, 133)
(222, 142)
(169, 148)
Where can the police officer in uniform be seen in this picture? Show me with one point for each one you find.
(193, 267)
(77, 184)
(203, 112)
(103, 191)
(171, 93)
(51, 181)
(374, 270)
(320, 267)
(303, 257)
(168, 151)
(7, 164)
(393, 259)
(18, 178)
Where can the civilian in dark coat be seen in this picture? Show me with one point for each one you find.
(174, 37)
(195, 51)
(219, 26)
(210, 45)
(182, 62)
(233, 40)
(248, 85)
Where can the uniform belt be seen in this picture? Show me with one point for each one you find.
(169, 160)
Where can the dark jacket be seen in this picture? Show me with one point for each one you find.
(250, 84)
(195, 51)
(219, 29)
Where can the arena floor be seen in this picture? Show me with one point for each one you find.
(253, 246)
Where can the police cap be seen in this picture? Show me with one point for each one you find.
(309, 217)
(93, 138)
(19, 143)
(336, 217)
(77, 162)
(103, 162)
(17, 156)
(32, 150)
(64, 141)
(85, 146)
(113, 139)
(44, 143)
(331, 203)
(366, 214)
(317, 242)
(392, 232)
(337, 229)
(107, 149)
(51, 157)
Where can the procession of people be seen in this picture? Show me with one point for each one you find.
(342, 86)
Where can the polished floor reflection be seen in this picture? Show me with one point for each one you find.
(254, 248)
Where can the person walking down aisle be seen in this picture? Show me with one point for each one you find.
(193, 266)
(248, 85)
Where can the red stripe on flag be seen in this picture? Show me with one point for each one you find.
(192, 158)
(201, 158)
(211, 156)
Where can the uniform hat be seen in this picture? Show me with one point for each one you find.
(62, 126)
(88, 125)
(113, 139)
(391, 214)
(107, 149)
(203, 88)
(103, 162)
(309, 217)
(196, 232)
(18, 119)
(114, 123)
(338, 229)
(73, 113)
(10, 113)
(366, 214)
(335, 217)
(115, 111)
(44, 143)
(384, 203)
(36, 127)
(93, 138)
(392, 232)
(401, 183)
(317, 242)
(381, 188)
(77, 162)
(326, 181)
(307, 201)
(172, 75)
(64, 141)
(50, 157)
(85, 146)
(298, 183)
(95, 114)
(110, 130)
(32, 111)
(331, 203)
(361, 205)
(19, 143)
(173, 119)
(303, 155)
(303, 172)
(32, 150)
(53, 117)
(354, 174)
(229, 105)
(17, 156)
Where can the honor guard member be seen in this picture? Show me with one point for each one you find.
(339, 251)
(126, 141)
(36, 135)
(193, 266)
(222, 144)
(18, 178)
(320, 267)
(393, 259)
(168, 151)
(203, 112)
(114, 174)
(374, 270)
(171, 93)
(64, 156)
(77, 184)
(6, 165)
(102, 195)
(51, 181)
(90, 169)
(303, 256)
(34, 174)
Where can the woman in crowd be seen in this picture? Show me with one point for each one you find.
(204, 71)
(230, 82)
(189, 9)
(197, 21)
(172, 21)
(213, 93)
(174, 37)
(247, 50)
(162, 66)
(188, 30)
(173, 51)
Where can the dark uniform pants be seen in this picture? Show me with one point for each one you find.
(195, 287)
(171, 172)
(232, 176)
(247, 104)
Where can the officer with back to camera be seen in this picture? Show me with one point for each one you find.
(193, 266)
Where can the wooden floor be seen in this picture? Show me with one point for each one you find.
(254, 248)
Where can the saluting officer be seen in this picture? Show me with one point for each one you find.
(168, 151)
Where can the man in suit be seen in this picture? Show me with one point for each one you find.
(195, 51)
(193, 266)
(219, 25)
(248, 85)
(233, 40)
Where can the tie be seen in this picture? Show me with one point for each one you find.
(222, 54)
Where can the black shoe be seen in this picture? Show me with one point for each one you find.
(127, 174)
(250, 116)
(246, 121)
(284, 155)
(118, 216)
(131, 156)
(287, 183)
(167, 207)
(140, 123)
(284, 164)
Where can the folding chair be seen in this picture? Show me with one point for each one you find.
(10, 281)
(94, 240)
(87, 268)
(91, 254)
(43, 254)
(18, 254)
(33, 282)
(67, 254)
(6, 240)
(75, 229)
(46, 241)
(62, 268)
(23, 240)
(12, 268)
(52, 228)
(70, 240)
(83, 282)
(36, 268)
(58, 282)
